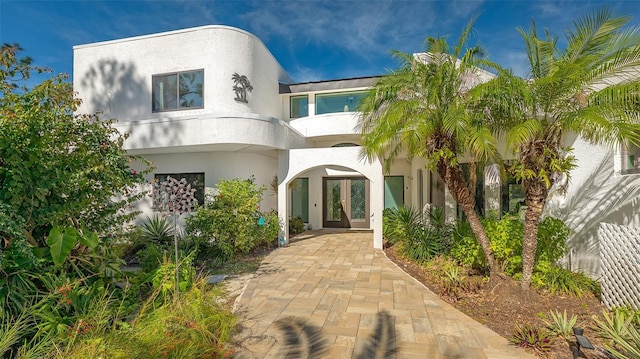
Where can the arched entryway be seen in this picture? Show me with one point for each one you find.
(345, 190)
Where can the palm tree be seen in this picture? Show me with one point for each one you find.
(421, 110)
(590, 88)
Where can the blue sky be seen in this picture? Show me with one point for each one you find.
(313, 40)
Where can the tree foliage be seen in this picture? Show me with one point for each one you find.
(590, 87)
(423, 110)
(57, 166)
(66, 184)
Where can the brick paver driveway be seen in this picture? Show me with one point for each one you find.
(332, 295)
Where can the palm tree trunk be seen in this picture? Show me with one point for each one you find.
(454, 180)
(536, 197)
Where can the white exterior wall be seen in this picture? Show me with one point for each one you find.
(115, 76)
(294, 163)
(327, 124)
(594, 195)
(216, 166)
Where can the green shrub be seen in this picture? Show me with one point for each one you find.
(151, 256)
(229, 224)
(420, 236)
(399, 223)
(164, 277)
(552, 238)
(425, 243)
(296, 225)
(506, 236)
(558, 280)
(465, 248)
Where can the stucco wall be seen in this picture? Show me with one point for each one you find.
(115, 76)
(595, 194)
(327, 124)
(216, 166)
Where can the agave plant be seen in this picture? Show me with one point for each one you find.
(157, 229)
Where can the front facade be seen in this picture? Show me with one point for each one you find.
(212, 103)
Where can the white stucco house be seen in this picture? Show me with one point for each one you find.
(212, 102)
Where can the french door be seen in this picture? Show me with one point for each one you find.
(345, 202)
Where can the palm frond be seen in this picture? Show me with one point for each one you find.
(482, 143)
(592, 33)
(523, 132)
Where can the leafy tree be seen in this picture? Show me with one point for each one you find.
(422, 109)
(57, 166)
(590, 88)
(64, 179)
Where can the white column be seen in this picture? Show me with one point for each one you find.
(377, 206)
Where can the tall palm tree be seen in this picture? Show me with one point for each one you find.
(421, 110)
(590, 88)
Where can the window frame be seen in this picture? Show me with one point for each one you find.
(177, 99)
(291, 105)
(629, 159)
(363, 93)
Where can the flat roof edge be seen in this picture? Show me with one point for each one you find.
(336, 84)
(167, 33)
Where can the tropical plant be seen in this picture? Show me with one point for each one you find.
(536, 338)
(587, 85)
(422, 110)
(398, 223)
(558, 280)
(561, 324)
(157, 229)
(623, 334)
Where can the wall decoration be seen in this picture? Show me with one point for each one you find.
(241, 86)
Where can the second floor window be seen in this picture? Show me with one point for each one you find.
(338, 102)
(299, 106)
(177, 91)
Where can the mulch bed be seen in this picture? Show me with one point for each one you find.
(503, 307)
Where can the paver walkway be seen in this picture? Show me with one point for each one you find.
(333, 296)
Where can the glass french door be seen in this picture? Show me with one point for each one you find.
(345, 202)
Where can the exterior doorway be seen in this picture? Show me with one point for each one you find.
(345, 202)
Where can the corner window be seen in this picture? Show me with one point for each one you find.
(299, 106)
(177, 91)
(196, 180)
(338, 102)
(630, 159)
